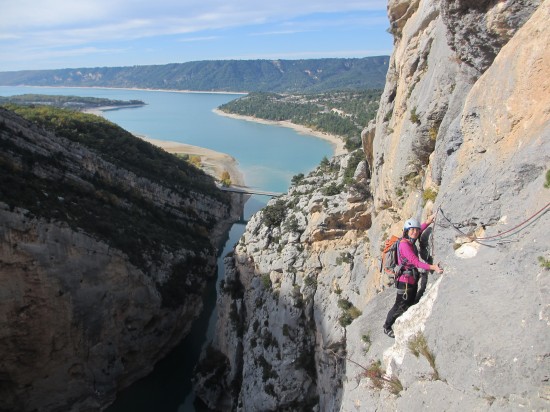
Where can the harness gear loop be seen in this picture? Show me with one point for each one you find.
(405, 295)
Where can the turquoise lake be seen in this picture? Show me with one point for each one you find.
(267, 155)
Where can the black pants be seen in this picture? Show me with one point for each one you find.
(402, 302)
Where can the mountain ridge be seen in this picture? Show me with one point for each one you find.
(308, 75)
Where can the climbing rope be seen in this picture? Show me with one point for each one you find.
(500, 236)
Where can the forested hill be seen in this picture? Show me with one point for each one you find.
(303, 76)
(341, 113)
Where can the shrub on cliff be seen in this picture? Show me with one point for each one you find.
(274, 214)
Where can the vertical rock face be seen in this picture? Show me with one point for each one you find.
(463, 129)
(477, 30)
(85, 311)
(295, 276)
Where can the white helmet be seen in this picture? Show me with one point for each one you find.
(410, 224)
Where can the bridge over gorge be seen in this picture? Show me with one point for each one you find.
(245, 190)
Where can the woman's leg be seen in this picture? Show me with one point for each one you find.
(402, 302)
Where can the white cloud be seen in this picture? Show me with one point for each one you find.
(49, 27)
(164, 16)
(193, 39)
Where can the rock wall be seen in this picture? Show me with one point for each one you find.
(79, 320)
(463, 130)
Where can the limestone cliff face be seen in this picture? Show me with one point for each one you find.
(83, 315)
(288, 288)
(463, 129)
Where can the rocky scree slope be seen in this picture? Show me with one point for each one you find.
(463, 130)
(102, 268)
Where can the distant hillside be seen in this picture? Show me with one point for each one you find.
(304, 76)
(341, 113)
(68, 102)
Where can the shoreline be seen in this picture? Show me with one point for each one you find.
(214, 163)
(98, 111)
(335, 141)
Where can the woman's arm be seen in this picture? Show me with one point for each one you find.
(406, 251)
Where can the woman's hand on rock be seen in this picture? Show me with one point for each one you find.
(436, 268)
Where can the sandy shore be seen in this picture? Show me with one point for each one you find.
(98, 111)
(214, 163)
(337, 142)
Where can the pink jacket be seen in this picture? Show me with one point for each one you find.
(407, 252)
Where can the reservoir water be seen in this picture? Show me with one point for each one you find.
(268, 157)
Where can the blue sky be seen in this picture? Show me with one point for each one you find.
(53, 34)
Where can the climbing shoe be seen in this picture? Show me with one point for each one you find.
(389, 332)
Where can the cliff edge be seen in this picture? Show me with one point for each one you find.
(463, 130)
(105, 251)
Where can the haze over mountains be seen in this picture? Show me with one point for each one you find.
(305, 76)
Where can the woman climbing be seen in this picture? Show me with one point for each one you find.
(407, 281)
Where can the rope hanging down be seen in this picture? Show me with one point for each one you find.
(499, 236)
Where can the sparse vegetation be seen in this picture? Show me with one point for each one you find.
(547, 183)
(432, 132)
(296, 179)
(414, 116)
(225, 178)
(419, 346)
(195, 160)
(394, 385)
(399, 192)
(310, 281)
(266, 281)
(345, 257)
(355, 158)
(349, 312)
(429, 195)
(274, 214)
(291, 224)
(367, 341)
(378, 378)
(332, 189)
(544, 263)
(375, 373)
(385, 204)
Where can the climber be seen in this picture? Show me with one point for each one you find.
(407, 281)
